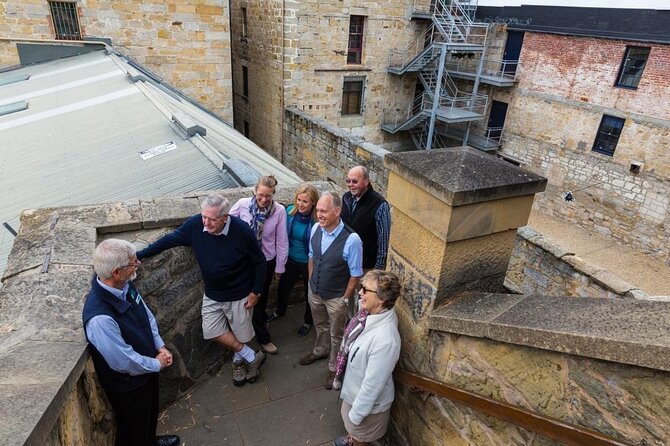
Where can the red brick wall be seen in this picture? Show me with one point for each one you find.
(585, 69)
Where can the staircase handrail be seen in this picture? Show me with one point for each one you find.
(401, 115)
(475, 103)
(491, 67)
(411, 52)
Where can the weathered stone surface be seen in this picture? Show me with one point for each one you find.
(159, 212)
(106, 218)
(73, 244)
(471, 313)
(33, 242)
(36, 378)
(463, 175)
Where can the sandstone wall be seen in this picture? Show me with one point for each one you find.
(185, 42)
(86, 418)
(565, 86)
(611, 398)
(261, 51)
(315, 149)
(540, 267)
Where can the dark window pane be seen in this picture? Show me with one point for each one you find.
(608, 135)
(632, 66)
(245, 82)
(352, 95)
(355, 49)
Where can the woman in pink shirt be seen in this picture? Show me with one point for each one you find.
(267, 220)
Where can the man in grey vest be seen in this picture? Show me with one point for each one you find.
(335, 265)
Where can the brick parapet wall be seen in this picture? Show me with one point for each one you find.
(539, 267)
(315, 149)
(185, 42)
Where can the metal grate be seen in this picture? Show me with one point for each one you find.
(65, 20)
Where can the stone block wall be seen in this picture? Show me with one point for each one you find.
(540, 267)
(566, 85)
(317, 150)
(259, 46)
(613, 399)
(185, 42)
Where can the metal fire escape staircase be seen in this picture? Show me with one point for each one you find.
(451, 30)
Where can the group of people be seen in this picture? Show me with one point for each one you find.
(327, 241)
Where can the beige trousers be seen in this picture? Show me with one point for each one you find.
(329, 319)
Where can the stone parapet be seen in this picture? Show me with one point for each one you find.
(315, 149)
(538, 266)
(624, 331)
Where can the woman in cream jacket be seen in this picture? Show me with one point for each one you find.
(370, 349)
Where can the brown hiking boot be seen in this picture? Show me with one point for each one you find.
(239, 372)
(254, 367)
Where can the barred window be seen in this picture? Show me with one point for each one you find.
(65, 20)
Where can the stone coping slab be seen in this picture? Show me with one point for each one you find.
(36, 378)
(463, 175)
(620, 330)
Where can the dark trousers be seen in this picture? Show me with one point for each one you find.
(260, 318)
(136, 414)
(294, 271)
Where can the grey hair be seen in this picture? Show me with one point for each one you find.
(364, 171)
(337, 201)
(216, 201)
(112, 254)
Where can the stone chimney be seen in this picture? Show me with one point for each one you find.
(455, 215)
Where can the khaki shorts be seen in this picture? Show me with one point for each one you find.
(219, 318)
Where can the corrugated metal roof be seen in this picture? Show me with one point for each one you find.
(78, 142)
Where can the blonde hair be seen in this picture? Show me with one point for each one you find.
(313, 194)
(267, 181)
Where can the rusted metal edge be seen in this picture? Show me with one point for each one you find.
(532, 421)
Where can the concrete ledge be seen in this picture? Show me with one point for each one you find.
(632, 332)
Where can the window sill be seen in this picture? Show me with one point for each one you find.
(347, 68)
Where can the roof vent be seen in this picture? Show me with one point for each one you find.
(188, 125)
(13, 107)
(14, 79)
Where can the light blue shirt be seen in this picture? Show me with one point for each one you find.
(105, 335)
(353, 247)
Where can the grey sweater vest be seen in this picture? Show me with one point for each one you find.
(330, 274)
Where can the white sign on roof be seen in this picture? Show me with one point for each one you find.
(158, 150)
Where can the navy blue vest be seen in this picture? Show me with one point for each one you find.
(135, 330)
(330, 273)
(362, 221)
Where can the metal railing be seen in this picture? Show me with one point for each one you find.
(430, 38)
(395, 117)
(475, 103)
(503, 69)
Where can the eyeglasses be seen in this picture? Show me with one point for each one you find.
(348, 181)
(367, 290)
(135, 264)
(268, 196)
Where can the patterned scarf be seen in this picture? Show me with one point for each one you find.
(354, 328)
(258, 218)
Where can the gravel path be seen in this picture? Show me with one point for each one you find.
(648, 273)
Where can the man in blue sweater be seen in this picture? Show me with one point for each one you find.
(125, 345)
(233, 270)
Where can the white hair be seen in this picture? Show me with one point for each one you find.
(335, 197)
(112, 254)
(216, 201)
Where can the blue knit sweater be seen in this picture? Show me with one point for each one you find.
(232, 265)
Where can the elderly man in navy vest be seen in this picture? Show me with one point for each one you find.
(127, 349)
(367, 213)
(334, 267)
